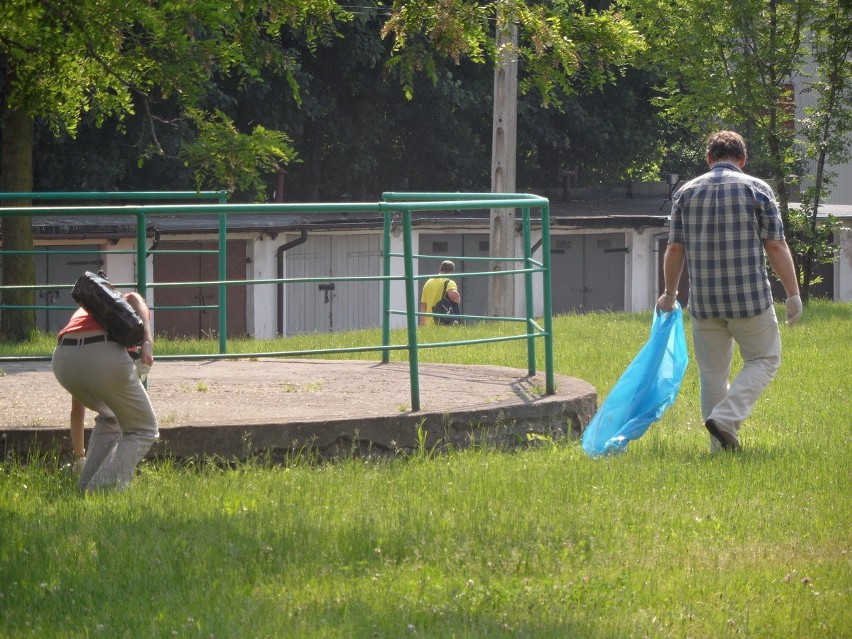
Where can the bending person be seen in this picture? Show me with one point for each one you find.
(100, 375)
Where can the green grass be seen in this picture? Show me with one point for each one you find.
(663, 541)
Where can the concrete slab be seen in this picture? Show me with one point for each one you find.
(239, 408)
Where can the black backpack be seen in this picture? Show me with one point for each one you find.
(447, 307)
(95, 294)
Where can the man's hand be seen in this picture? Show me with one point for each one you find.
(666, 302)
(794, 309)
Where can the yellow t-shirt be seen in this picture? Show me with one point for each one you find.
(433, 291)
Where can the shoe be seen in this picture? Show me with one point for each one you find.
(726, 440)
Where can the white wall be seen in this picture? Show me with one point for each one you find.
(538, 278)
(261, 311)
(843, 267)
(262, 299)
(640, 280)
(397, 289)
(841, 189)
(640, 271)
(120, 267)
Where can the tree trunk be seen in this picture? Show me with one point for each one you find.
(16, 173)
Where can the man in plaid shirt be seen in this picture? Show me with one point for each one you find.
(725, 224)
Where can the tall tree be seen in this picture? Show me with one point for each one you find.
(17, 154)
(108, 58)
(735, 63)
(730, 63)
(361, 136)
(826, 133)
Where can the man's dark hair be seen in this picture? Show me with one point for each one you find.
(726, 144)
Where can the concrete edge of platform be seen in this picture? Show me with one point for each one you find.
(501, 425)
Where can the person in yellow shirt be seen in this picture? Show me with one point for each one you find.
(433, 291)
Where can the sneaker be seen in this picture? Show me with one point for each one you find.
(727, 441)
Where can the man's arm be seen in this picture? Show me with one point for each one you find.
(453, 293)
(781, 261)
(146, 353)
(77, 421)
(672, 268)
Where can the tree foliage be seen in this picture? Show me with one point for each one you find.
(174, 72)
(277, 50)
(735, 64)
(220, 152)
(824, 135)
(66, 59)
(362, 136)
(730, 63)
(559, 42)
(62, 62)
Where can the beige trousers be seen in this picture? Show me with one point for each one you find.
(727, 402)
(103, 378)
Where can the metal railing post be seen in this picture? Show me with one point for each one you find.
(548, 301)
(141, 251)
(528, 290)
(411, 306)
(223, 276)
(386, 285)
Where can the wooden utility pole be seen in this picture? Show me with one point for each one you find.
(501, 292)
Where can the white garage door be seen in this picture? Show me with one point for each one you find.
(327, 305)
(587, 272)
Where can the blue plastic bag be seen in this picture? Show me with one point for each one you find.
(644, 391)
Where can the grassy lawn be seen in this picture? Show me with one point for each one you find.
(663, 541)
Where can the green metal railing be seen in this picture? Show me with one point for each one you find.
(407, 203)
(141, 230)
(95, 196)
(403, 205)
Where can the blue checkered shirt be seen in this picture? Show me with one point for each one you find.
(722, 218)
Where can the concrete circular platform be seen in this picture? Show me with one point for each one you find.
(238, 408)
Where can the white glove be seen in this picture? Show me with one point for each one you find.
(142, 370)
(794, 309)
